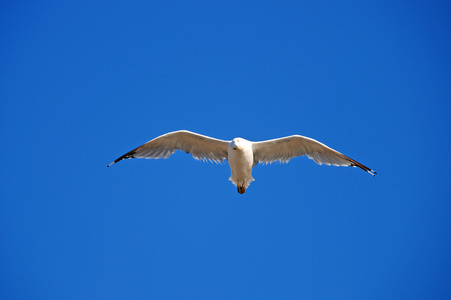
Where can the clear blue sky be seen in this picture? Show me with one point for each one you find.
(81, 83)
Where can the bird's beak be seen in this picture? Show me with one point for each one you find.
(239, 148)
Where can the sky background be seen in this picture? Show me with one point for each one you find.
(83, 82)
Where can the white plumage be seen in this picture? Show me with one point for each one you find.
(242, 155)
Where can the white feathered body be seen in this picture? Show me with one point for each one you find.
(241, 161)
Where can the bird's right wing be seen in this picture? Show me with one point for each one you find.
(199, 146)
(283, 149)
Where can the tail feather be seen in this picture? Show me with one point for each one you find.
(246, 183)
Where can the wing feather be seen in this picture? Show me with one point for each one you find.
(284, 149)
(201, 147)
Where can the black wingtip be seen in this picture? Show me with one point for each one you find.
(125, 156)
(119, 159)
(374, 173)
(364, 168)
(112, 163)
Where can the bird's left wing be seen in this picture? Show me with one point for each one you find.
(199, 146)
(283, 149)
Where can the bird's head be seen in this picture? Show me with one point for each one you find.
(237, 144)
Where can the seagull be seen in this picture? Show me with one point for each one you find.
(242, 155)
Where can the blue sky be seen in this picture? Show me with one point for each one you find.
(82, 83)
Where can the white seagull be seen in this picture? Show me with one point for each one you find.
(242, 155)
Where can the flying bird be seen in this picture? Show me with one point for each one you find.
(242, 155)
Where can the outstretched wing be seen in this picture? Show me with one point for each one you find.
(284, 149)
(199, 146)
